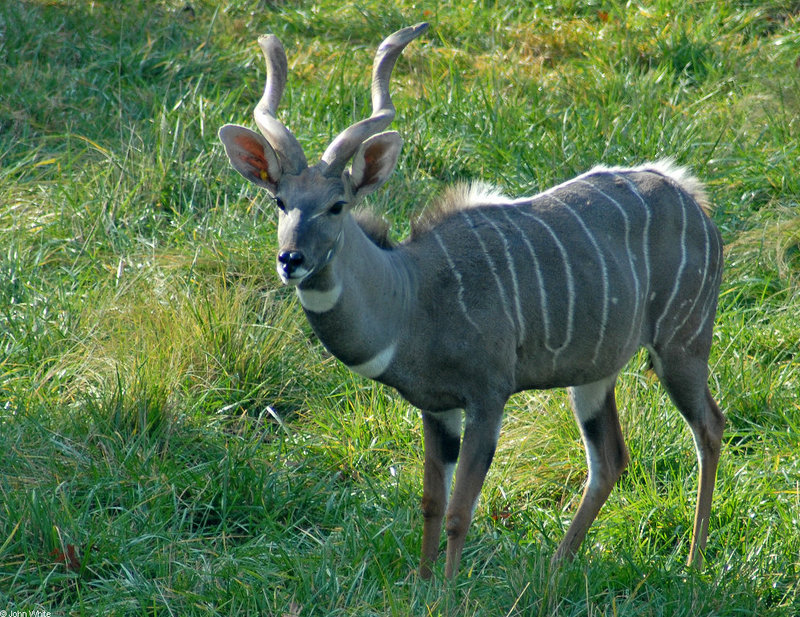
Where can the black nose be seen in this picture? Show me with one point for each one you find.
(290, 260)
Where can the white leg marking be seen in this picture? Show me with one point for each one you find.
(450, 420)
(449, 472)
(378, 364)
(681, 268)
(492, 267)
(512, 271)
(319, 301)
(587, 399)
(603, 276)
(458, 278)
(586, 402)
(451, 423)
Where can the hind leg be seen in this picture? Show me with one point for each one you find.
(685, 378)
(596, 412)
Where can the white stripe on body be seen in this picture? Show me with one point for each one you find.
(545, 314)
(637, 284)
(711, 298)
(492, 267)
(603, 276)
(570, 325)
(681, 268)
(703, 289)
(645, 232)
(451, 264)
(513, 272)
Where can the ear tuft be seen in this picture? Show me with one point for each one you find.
(251, 155)
(374, 162)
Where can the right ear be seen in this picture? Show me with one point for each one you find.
(374, 162)
(251, 155)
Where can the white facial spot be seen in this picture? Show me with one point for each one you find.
(296, 278)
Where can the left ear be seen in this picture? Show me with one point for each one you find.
(374, 162)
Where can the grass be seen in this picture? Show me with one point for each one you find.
(173, 439)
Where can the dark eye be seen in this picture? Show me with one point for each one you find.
(280, 204)
(337, 207)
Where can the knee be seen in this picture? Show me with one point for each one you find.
(456, 525)
(431, 508)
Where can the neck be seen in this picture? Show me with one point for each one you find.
(358, 302)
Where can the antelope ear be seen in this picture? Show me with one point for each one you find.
(374, 162)
(251, 155)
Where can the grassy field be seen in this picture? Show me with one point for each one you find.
(174, 441)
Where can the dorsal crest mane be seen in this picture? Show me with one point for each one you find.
(375, 227)
(456, 198)
(668, 168)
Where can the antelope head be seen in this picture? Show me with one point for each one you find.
(313, 201)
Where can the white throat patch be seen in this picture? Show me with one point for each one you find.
(377, 365)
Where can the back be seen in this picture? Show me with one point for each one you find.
(579, 276)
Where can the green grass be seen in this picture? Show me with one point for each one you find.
(174, 441)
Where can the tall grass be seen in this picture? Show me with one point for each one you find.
(173, 440)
